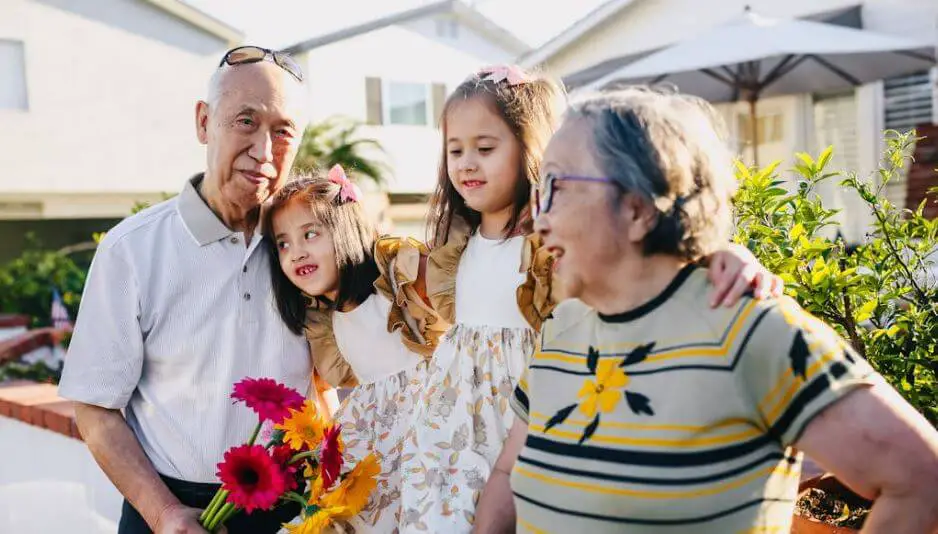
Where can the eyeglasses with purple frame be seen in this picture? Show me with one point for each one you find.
(543, 202)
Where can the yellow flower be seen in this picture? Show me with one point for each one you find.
(353, 492)
(605, 393)
(303, 427)
(316, 490)
(317, 522)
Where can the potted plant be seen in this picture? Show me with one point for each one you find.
(826, 506)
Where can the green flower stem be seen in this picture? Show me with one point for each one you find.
(212, 506)
(257, 430)
(228, 515)
(217, 520)
(212, 511)
(294, 496)
(303, 455)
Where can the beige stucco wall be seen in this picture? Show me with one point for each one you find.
(112, 87)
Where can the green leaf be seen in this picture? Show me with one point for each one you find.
(805, 158)
(825, 157)
(819, 271)
(866, 311)
(797, 231)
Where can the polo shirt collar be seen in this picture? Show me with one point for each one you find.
(203, 225)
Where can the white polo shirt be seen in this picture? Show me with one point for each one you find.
(175, 310)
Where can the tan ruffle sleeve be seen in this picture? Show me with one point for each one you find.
(420, 325)
(536, 295)
(442, 264)
(327, 359)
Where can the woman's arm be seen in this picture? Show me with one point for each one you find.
(878, 445)
(495, 513)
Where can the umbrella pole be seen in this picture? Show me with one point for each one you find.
(754, 128)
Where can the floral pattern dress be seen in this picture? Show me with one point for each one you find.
(380, 349)
(497, 294)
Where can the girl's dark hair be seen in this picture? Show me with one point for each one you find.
(530, 110)
(352, 236)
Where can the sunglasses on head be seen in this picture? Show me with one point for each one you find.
(253, 54)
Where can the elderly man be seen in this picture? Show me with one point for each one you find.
(645, 410)
(178, 307)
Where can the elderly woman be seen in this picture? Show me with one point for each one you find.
(645, 410)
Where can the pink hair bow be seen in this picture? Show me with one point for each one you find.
(349, 192)
(510, 73)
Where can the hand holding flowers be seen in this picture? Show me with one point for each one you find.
(302, 462)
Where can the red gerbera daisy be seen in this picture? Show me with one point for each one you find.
(330, 456)
(252, 477)
(281, 455)
(269, 399)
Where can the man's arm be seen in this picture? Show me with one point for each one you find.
(102, 370)
(891, 455)
(117, 451)
(496, 511)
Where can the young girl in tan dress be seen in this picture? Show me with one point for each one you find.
(488, 276)
(358, 300)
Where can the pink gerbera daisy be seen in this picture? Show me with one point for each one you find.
(252, 477)
(269, 399)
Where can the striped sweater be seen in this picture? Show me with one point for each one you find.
(674, 417)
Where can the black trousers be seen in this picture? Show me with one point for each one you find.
(199, 495)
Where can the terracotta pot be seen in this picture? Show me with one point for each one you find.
(828, 483)
(801, 525)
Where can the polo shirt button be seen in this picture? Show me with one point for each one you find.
(234, 239)
(247, 296)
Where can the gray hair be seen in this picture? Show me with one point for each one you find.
(669, 149)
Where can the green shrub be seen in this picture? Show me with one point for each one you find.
(26, 284)
(879, 294)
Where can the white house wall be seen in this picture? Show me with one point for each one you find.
(467, 39)
(112, 87)
(337, 74)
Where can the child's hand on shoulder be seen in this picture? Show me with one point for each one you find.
(735, 271)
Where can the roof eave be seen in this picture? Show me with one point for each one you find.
(201, 20)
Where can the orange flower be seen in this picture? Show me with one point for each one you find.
(355, 490)
(303, 429)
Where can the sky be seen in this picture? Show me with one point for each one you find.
(278, 23)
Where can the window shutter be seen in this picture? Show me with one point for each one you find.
(908, 101)
(439, 100)
(375, 113)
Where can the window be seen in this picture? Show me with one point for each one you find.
(908, 101)
(408, 103)
(416, 104)
(12, 75)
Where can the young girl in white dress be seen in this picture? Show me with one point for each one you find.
(488, 276)
(358, 300)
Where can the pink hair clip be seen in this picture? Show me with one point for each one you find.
(510, 73)
(349, 192)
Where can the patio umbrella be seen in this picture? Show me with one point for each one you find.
(756, 56)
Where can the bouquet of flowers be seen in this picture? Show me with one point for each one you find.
(301, 461)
